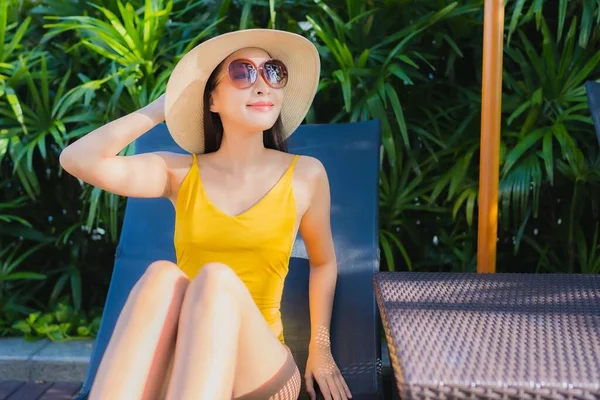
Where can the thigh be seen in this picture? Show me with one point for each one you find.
(284, 385)
(138, 351)
(262, 359)
(260, 354)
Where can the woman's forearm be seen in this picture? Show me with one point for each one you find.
(108, 140)
(322, 282)
(94, 158)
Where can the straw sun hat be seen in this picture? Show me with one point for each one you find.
(185, 87)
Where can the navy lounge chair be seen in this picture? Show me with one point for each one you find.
(593, 93)
(350, 154)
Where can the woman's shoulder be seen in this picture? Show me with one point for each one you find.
(304, 164)
(309, 163)
(309, 169)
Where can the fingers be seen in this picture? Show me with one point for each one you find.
(345, 386)
(337, 378)
(332, 386)
(333, 389)
(324, 386)
(309, 386)
(337, 386)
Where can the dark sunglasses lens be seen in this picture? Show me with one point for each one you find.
(275, 73)
(242, 74)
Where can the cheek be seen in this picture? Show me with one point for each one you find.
(232, 100)
(278, 97)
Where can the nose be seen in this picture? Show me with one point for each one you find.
(261, 87)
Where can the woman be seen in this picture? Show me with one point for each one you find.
(209, 327)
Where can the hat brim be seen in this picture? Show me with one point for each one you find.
(185, 87)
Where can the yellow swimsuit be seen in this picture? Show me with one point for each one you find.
(256, 244)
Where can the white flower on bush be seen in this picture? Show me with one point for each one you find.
(304, 25)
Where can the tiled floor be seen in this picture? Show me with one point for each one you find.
(19, 390)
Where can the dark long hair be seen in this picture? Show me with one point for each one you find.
(213, 127)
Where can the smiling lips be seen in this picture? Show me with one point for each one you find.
(261, 106)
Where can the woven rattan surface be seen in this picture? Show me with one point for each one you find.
(518, 336)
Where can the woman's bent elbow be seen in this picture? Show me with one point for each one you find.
(66, 160)
(73, 161)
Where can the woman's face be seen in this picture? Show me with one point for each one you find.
(254, 109)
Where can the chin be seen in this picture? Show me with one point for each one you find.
(261, 124)
(262, 128)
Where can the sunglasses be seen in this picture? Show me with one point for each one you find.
(244, 73)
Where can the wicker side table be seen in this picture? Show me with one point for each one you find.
(514, 336)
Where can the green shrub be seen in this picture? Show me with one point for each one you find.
(60, 324)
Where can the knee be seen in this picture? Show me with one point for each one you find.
(163, 270)
(162, 277)
(217, 276)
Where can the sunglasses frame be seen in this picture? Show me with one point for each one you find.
(259, 68)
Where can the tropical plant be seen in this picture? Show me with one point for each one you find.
(60, 324)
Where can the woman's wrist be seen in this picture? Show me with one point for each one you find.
(155, 110)
(320, 340)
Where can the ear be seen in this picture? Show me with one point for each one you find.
(212, 106)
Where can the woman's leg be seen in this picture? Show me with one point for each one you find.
(224, 346)
(137, 357)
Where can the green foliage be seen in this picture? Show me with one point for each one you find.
(60, 324)
(69, 66)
